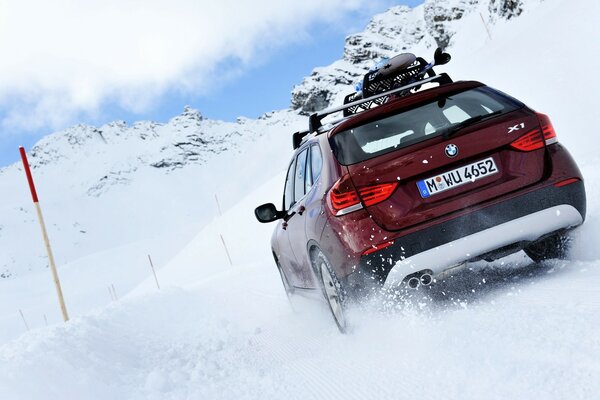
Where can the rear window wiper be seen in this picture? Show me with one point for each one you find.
(469, 121)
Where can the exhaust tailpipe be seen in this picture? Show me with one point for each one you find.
(413, 282)
(426, 279)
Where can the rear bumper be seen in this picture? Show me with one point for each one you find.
(519, 220)
(520, 230)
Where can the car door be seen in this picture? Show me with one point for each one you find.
(296, 221)
(286, 257)
(314, 221)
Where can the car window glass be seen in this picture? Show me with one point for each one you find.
(455, 114)
(288, 194)
(418, 123)
(299, 175)
(316, 162)
(429, 128)
(390, 141)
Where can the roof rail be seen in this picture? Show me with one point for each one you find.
(314, 121)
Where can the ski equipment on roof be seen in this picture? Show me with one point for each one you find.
(398, 76)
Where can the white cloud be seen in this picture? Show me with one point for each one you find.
(61, 58)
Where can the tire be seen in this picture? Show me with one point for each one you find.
(333, 292)
(555, 246)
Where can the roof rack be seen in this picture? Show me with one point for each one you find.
(396, 76)
(314, 121)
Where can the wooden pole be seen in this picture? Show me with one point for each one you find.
(110, 293)
(153, 271)
(226, 251)
(23, 317)
(45, 320)
(61, 300)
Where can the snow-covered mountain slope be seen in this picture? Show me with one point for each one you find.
(510, 329)
(108, 186)
(111, 201)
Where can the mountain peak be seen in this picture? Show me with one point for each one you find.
(192, 113)
(399, 29)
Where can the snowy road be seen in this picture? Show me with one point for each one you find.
(514, 331)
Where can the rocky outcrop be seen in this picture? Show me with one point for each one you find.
(506, 9)
(440, 15)
(389, 33)
(400, 29)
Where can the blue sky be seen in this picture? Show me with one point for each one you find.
(257, 68)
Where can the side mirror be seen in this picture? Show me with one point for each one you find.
(268, 213)
(441, 58)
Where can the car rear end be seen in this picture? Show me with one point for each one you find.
(447, 175)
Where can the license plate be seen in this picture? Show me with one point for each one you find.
(457, 177)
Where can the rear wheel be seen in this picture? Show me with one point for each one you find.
(555, 246)
(332, 289)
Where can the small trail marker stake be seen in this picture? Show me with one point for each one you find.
(114, 291)
(153, 271)
(485, 25)
(38, 210)
(218, 205)
(23, 317)
(226, 251)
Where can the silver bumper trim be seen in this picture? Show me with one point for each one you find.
(527, 228)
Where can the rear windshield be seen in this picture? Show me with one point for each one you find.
(439, 116)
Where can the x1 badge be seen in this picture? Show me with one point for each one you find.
(517, 127)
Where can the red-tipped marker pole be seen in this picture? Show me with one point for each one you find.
(38, 210)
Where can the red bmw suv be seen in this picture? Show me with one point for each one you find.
(411, 184)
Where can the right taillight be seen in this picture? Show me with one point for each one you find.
(547, 129)
(536, 138)
(345, 198)
(530, 141)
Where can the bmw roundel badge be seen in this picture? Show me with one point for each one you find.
(452, 150)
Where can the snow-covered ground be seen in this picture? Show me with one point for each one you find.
(510, 329)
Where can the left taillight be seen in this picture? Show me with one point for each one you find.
(345, 198)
